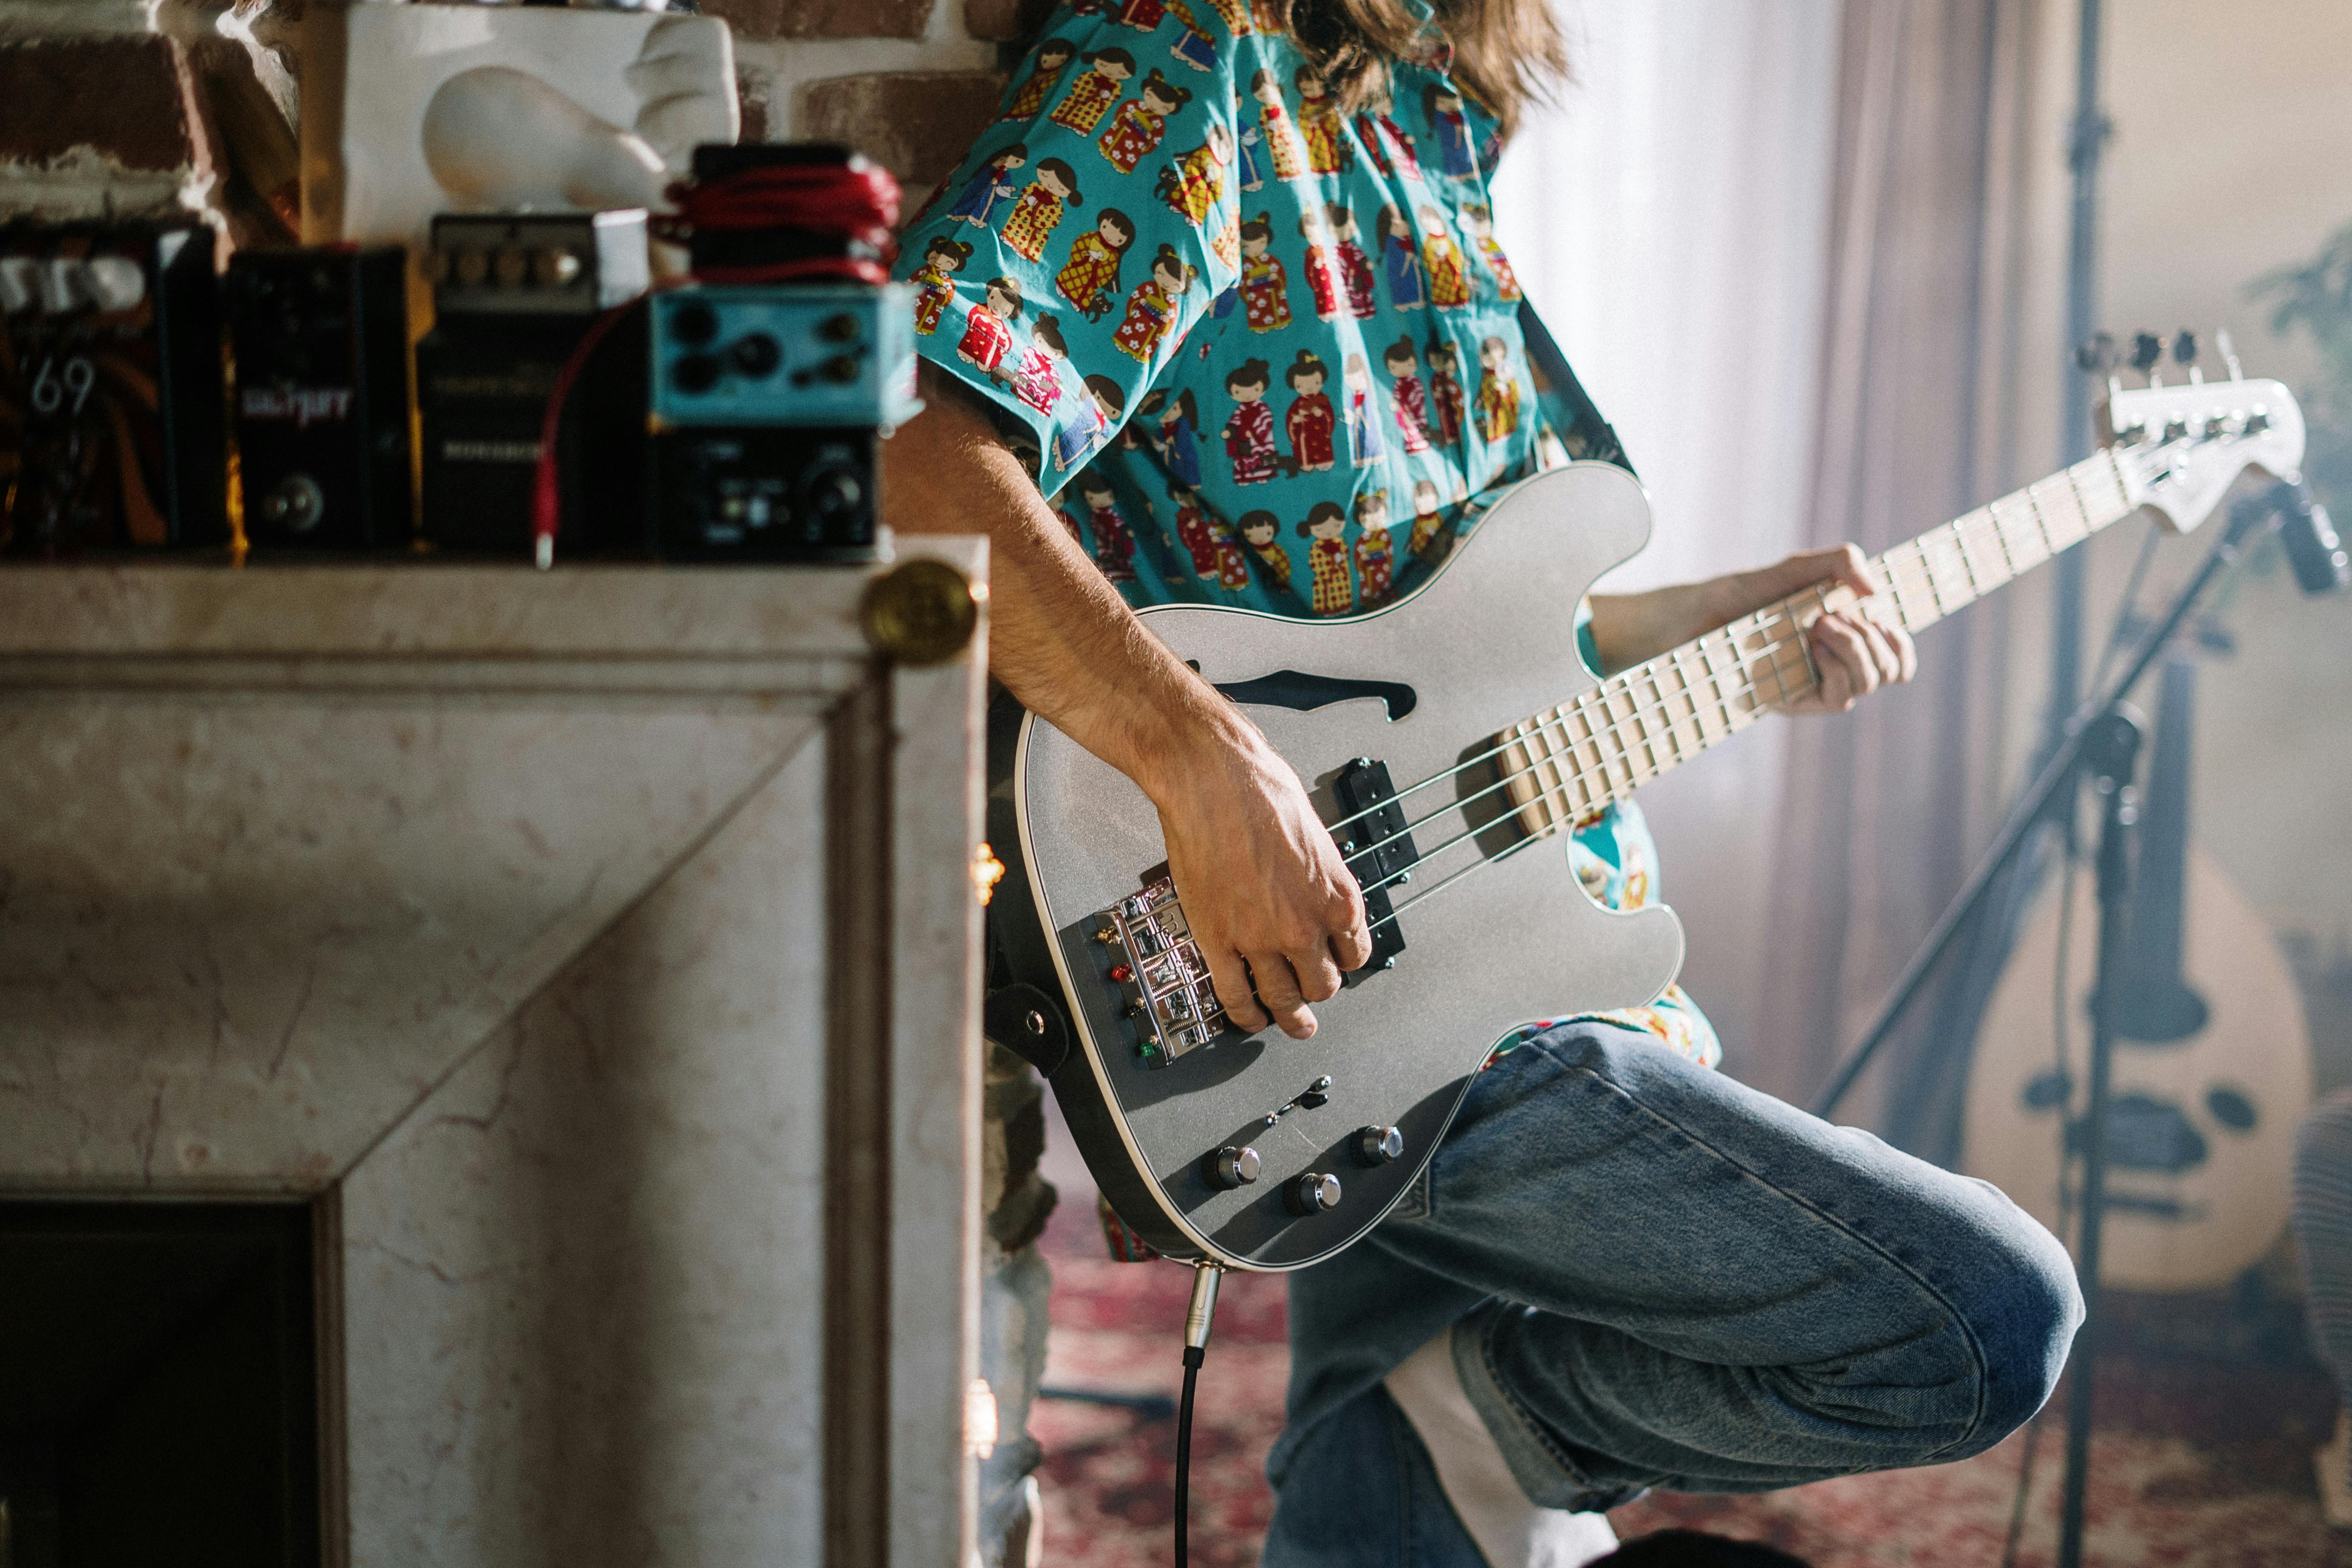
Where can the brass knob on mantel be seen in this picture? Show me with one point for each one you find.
(923, 611)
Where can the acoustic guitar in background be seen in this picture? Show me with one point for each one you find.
(2212, 1065)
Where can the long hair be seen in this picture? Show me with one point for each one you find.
(1508, 54)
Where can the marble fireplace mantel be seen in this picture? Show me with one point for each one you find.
(597, 950)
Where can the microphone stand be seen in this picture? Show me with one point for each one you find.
(2101, 742)
(2110, 755)
(2249, 516)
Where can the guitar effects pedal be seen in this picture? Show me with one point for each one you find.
(784, 354)
(513, 295)
(767, 403)
(321, 337)
(110, 374)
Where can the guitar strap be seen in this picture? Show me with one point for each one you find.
(1566, 406)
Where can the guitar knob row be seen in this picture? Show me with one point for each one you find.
(1233, 1167)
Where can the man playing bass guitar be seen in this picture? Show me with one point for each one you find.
(1648, 1275)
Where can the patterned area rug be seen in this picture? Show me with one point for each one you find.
(2198, 1461)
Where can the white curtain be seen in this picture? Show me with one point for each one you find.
(1671, 219)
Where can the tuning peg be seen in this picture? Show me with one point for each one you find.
(2229, 355)
(2095, 355)
(2148, 353)
(2184, 351)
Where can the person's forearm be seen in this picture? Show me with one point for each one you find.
(1273, 909)
(1060, 638)
(1628, 629)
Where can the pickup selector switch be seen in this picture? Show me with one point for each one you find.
(1230, 1167)
(1378, 1145)
(1313, 1193)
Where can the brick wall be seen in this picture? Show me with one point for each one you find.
(909, 82)
(108, 108)
(155, 98)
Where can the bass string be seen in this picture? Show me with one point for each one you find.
(1472, 832)
(1447, 881)
(1903, 579)
(1744, 684)
(1783, 611)
(1760, 623)
(1451, 878)
(1583, 775)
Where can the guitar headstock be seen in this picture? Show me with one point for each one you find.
(2181, 447)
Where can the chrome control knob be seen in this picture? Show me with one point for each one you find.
(1313, 1193)
(1230, 1167)
(1378, 1145)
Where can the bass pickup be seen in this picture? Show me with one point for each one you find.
(1372, 833)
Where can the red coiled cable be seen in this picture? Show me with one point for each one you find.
(857, 203)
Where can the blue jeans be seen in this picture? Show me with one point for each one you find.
(1658, 1278)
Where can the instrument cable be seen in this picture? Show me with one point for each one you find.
(1198, 1317)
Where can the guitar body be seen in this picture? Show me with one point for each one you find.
(1420, 685)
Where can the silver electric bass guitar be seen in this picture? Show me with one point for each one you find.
(1449, 740)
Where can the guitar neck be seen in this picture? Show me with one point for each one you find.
(1568, 765)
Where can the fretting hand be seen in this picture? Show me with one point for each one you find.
(1855, 654)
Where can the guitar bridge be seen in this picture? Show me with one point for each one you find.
(1159, 973)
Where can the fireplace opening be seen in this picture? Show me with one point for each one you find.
(158, 1384)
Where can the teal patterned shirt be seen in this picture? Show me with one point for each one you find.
(1256, 352)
